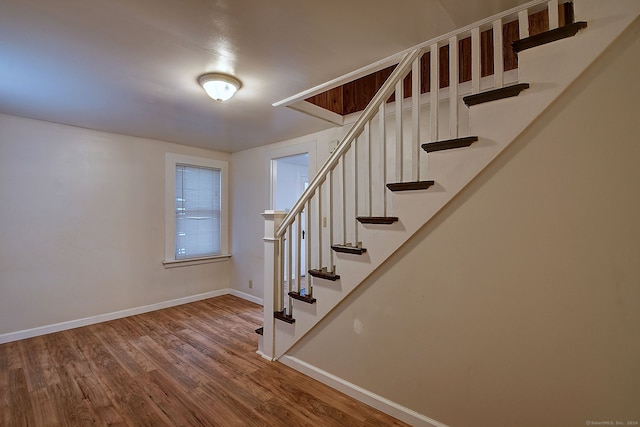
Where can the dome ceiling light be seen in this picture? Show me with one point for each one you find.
(219, 86)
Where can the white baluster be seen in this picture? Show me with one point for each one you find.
(367, 140)
(298, 251)
(355, 188)
(382, 146)
(498, 55)
(553, 15)
(289, 268)
(281, 273)
(453, 87)
(343, 179)
(435, 90)
(320, 221)
(330, 216)
(399, 142)
(307, 258)
(523, 24)
(475, 60)
(415, 118)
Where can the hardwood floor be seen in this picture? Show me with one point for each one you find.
(191, 365)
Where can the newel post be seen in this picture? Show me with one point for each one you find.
(272, 220)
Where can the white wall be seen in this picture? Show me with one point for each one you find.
(519, 304)
(250, 183)
(82, 225)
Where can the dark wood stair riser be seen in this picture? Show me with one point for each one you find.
(304, 298)
(323, 274)
(284, 317)
(449, 144)
(377, 219)
(348, 249)
(548, 36)
(495, 94)
(410, 186)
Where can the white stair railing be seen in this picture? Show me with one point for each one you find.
(384, 144)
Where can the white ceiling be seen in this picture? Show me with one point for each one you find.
(130, 66)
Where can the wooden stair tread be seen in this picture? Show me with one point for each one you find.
(284, 317)
(304, 298)
(560, 33)
(260, 330)
(449, 144)
(495, 94)
(377, 219)
(323, 274)
(410, 186)
(346, 249)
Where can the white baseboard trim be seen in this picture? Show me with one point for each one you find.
(71, 324)
(365, 396)
(264, 356)
(248, 297)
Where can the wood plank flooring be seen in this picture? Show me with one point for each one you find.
(191, 365)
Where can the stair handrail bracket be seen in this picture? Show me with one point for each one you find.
(387, 89)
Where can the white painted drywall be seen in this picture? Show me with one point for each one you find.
(519, 304)
(250, 197)
(82, 225)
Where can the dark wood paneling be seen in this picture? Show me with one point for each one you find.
(349, 98)
(334, 100)
(486, 53)
(565, 14)
(443, 66)
(354, 96)
(538, 22)
(464, 60)
(510, 33)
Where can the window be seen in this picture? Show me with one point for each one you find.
(195, 210)
(197, 230)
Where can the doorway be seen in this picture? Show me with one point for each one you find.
(289, 179)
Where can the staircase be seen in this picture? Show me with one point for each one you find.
(402, 162)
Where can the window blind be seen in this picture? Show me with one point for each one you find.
(197, 211)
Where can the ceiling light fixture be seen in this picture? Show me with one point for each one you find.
(219, 86)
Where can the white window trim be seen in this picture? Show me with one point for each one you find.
(171, 160)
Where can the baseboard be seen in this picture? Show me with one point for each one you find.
(248, 297)
(264, 356)
(71, 324)
(378, 402)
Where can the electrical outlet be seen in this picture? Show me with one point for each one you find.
(250, 284)
(324, 221)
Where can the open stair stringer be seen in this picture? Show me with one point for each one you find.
(549, 70)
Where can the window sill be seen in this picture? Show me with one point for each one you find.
(173, 263)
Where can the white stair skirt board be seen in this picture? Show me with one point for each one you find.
(365, 396)
(71, 324)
